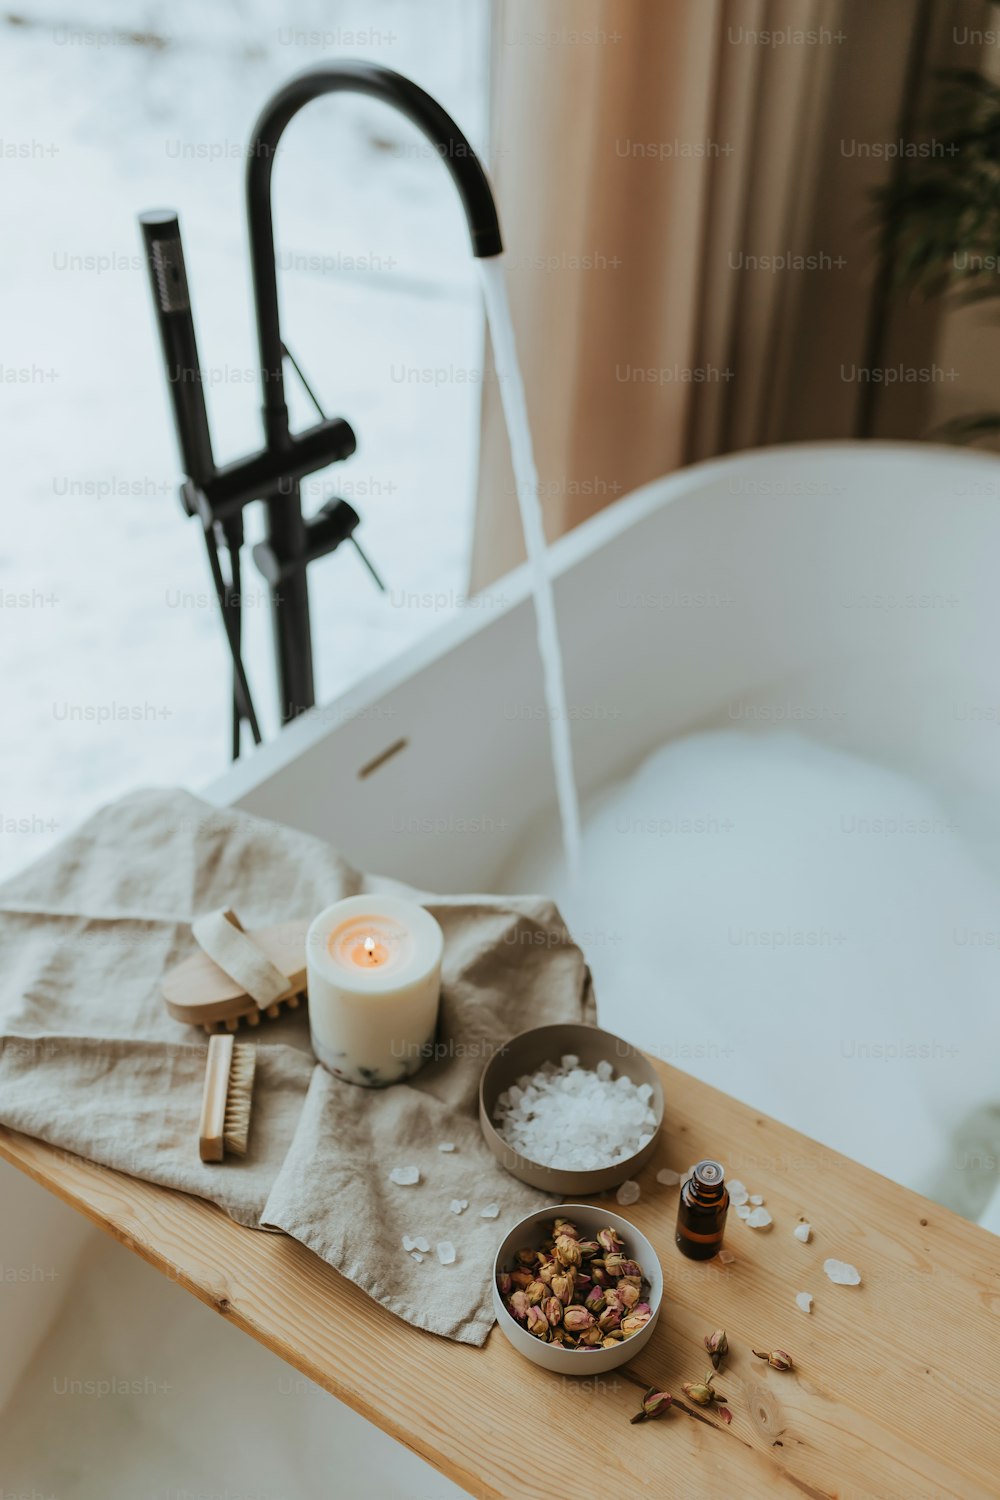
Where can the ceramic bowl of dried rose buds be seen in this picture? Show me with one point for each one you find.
(577, 1289)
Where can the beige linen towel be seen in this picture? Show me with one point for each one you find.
(91, 1062)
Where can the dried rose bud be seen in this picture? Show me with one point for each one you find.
(613, 1298)
(576, 1319)
(590, 1338)
(611, 1341)
(557, 1336)
(504, 1283)
(563, 1226)
(654, 1403)
(562, 1287)
(610, 1320)
(776, 1358)
(547, 1271)
(642, 1307)
(633, 1323)
(536, 1291)
(628, 1295)
(553, 1310)
(588, 1248)
(538, 1323)
(594, 1301)
(613, 1263)
(599, 1274)
(609, 1240)
(699, 1391)
(518, 1305)
(630, 1268)
(724, 1413)
(717, 1345)
(527, 1257)
(567, 1251)
(521, 1278)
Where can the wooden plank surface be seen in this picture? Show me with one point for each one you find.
(894, 1395)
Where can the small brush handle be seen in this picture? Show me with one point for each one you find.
(213, 1102)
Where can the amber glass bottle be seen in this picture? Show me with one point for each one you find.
(701, 1212)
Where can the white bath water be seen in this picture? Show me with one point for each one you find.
(515, 409)
(808, 931)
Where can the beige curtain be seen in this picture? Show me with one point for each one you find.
(649, 156)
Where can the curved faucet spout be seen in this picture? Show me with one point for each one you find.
(391, 88)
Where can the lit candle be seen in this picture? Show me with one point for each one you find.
(374, 972)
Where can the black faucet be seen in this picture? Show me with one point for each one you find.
(218, 495)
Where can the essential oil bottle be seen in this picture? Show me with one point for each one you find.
(701, 1211)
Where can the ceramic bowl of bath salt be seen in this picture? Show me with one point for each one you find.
(589, 1219)
(557, 1169)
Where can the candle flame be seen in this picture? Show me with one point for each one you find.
(369, 946)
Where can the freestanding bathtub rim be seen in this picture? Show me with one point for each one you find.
(241, 779)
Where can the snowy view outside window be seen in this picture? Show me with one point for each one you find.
(109, 109)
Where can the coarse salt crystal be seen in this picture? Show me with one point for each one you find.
(759, 1219)
(726, 1256)
(743, 1211)
(736, 1186)
(629, 1192)
(668, 1177)
(404, 1176)
(458, 1205)
(755, 1198)
(446, 1146)
(415, 1255)
(408, 1243)
(738, 1196)
(421, 1244)
(804, 1301)
(491, 1211)
(842, 1273)
(802, 1232)
(446, 1252)
(574, 1118)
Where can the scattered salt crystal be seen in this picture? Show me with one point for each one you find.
(446, 1252)
(668, 1177)
(629, 1192)
(756, 1198)
(404, 1176)
(408, 1243)
(421, 1244)
(802, 1232)
(574, 1118)
(743, 1211)
(458, 1205)
(491, 1211)
(804, 1301)
(446, 1146)
(738, 1195)
(759, 1219)
(843, 1274)
(726, 1256)
(736, 1186)
(415, 1255)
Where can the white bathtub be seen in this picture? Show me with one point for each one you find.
(861, 574)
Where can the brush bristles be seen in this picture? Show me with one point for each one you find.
(239, 1098)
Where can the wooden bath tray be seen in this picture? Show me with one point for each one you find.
(895, 1394)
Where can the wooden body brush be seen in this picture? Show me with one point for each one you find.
(228, 1097)
(237, 976)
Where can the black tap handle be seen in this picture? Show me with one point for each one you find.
(161, 233)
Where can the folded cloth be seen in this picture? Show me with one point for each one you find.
(91, 1061)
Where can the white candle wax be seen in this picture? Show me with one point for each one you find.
(374, 973)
